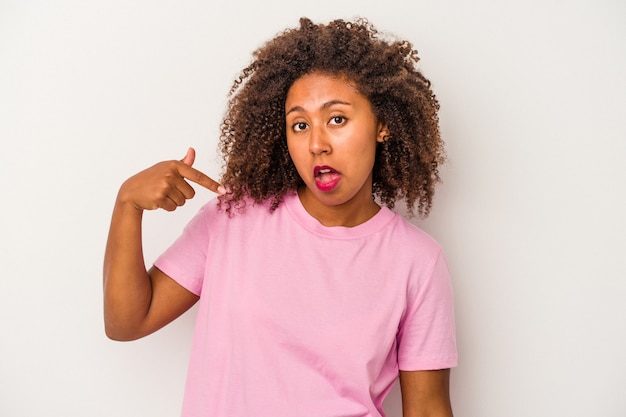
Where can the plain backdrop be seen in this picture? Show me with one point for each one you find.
(531, 210)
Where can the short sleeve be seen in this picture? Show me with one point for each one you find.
(427, 336)
(185, 260)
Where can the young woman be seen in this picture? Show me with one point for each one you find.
(314, 297)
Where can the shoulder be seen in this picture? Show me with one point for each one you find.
(410, 236)
(219, 207)
(247, 215)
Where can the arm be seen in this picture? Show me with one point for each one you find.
(138, 302)
(426, 393)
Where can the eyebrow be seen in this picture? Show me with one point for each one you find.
(324, 106)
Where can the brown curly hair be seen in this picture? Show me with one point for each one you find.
(253, 133)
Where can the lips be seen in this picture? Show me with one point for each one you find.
(326, 178)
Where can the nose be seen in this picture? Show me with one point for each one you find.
(318, 141)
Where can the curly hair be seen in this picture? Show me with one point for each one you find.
(253, 140)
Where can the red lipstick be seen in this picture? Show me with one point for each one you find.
(326, 178)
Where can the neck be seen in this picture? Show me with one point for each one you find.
(349, 214)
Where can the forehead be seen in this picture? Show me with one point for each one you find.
(318, 88)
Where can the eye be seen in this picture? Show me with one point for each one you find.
(337, 120)
(300, 126)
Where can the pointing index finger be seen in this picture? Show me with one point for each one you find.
(202, 179)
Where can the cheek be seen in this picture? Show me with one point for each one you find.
(296, 154)
(293, 151)
(368, 154)
(365, 147)
(290, 145)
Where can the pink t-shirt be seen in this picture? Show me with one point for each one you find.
(299, 319)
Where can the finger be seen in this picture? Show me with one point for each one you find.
(168, 198)
(190, 157)
(173, 190)
(168, 205)
(180, 196)
(202, 179)
(184, 190)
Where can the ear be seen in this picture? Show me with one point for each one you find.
(383, 133)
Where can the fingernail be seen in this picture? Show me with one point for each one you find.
(221, 190)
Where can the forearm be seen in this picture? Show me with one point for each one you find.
(127, 287)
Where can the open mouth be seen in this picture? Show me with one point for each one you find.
(326, 178)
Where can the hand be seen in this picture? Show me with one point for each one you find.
(165, 185)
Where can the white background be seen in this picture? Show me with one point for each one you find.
(531, 211)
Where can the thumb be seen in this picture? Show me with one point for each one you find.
(190, 157)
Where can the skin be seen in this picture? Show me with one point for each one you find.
(426, 393)
(138, 302)
(329, 123)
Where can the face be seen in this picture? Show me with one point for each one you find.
(332, 135)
